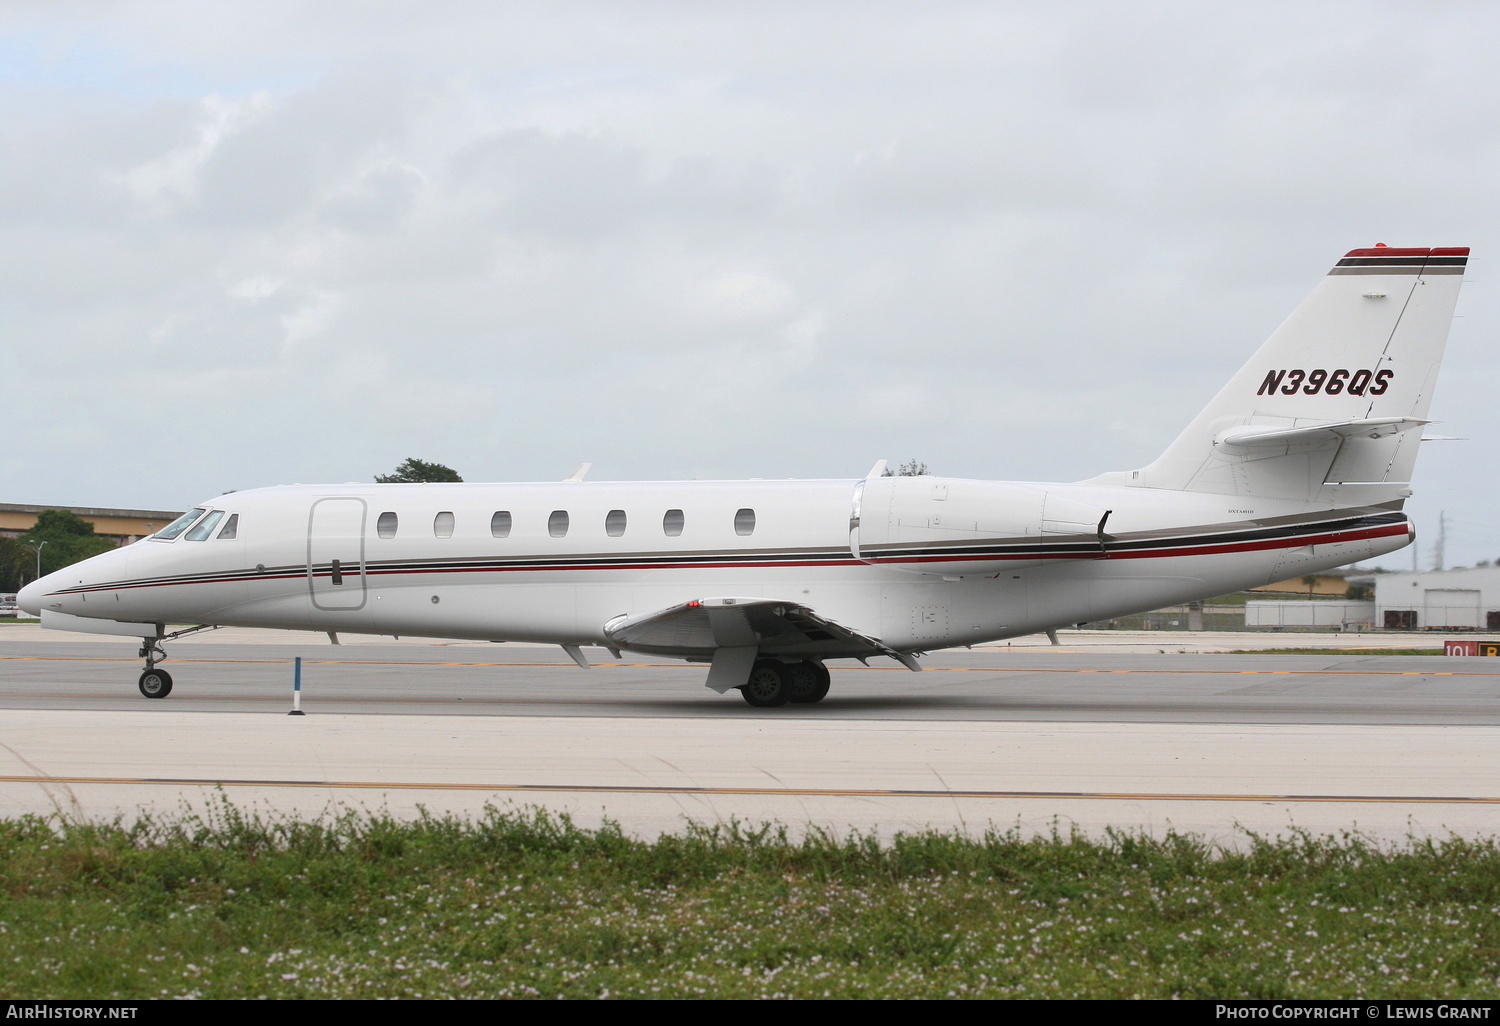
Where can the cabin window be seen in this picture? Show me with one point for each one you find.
(744, 522)
(614, 523)
(557, 523)
(179, 525)
(205, 526)
(231, 528)
(500, 524)
(671, 524)
(442, 525)
(385, 525)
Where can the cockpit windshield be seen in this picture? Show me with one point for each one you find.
(205, 526)
(179, 525)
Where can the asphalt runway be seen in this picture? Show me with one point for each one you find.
(407, 678)
(1032, 737)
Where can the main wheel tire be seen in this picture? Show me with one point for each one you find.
(767, 686)
(155, 684)
(807, 682)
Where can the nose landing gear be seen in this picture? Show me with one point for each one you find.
(154, 683)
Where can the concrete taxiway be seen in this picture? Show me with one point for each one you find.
(1033, 736)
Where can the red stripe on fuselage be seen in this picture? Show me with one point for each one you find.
(1329, 538)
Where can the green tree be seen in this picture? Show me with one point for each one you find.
(911, 468)
(415, 471)
(64, 538)
(17, 564)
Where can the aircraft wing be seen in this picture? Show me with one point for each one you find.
(732, 632)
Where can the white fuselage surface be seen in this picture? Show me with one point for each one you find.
(925, 562)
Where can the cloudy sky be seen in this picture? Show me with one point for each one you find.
(251, 243)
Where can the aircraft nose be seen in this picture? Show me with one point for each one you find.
(30, 598)
(62, 590)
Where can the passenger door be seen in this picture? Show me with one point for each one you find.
(336, 553)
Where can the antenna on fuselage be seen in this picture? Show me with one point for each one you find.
(577, 475)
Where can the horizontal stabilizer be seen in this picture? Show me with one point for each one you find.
(1253, 436)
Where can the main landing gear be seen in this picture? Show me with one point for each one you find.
(774, 683)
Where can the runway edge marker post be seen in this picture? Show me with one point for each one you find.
(297, 688)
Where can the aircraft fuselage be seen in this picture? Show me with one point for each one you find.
(920, 562)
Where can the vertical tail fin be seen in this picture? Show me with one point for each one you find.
(1329, 409)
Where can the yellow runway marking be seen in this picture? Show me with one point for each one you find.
(816, 792)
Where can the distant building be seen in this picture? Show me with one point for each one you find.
(122, 525)
(1309, 614)
(1438, 599)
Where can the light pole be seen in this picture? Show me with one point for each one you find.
(38, 549)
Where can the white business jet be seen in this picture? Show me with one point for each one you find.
(1301, 463)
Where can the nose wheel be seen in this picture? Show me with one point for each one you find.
(154, 683)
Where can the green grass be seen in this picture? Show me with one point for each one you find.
(523, 904)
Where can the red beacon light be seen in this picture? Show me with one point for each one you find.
(1380, 245)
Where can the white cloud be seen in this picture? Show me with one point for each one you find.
(255, 288)
(171, 179)
(311, 318)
